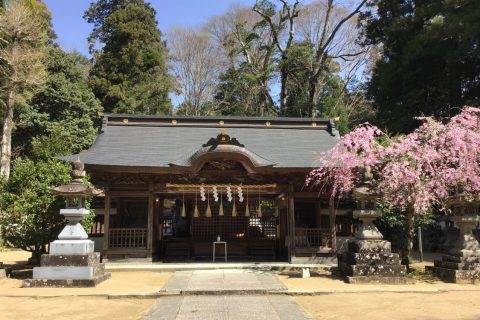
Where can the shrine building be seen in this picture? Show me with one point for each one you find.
(173, 185)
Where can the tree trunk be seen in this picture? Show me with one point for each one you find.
(333, 230)
(6, 143)
(410, 216)
(283, 91)
(312, 93)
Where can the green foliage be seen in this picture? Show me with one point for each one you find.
(430, 59)
(298, 66)
(29, 212)
(130, 72)
(393, 225)
(240, 92)
(334, 99)
(60, 118)
(40, 10)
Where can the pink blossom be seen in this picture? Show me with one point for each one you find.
(420, 169)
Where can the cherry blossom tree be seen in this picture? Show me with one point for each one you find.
(414, 172)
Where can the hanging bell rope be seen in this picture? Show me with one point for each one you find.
(221, 213)
(184, 212)
(208, 211)
(247, 209)
(196, 213)
(259, 209)
(234, 208)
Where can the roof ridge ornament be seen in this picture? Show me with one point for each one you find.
(222, 139)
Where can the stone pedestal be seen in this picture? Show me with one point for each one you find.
(462, 265)
(71, 261)
(369, 259)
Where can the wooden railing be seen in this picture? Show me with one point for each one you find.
(128, 238)
(312, 237)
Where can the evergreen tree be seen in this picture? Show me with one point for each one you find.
(29, 217)
(130, 72)
(241, 92)
(430, 59)
(61, 117)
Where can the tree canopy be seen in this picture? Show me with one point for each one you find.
(428, 60)
(129, 73)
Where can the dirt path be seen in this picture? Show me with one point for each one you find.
(73, 308)
(394, 306)
(121, 282)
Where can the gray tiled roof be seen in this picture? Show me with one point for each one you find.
(154, 143)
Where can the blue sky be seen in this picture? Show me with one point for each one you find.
(72, 30)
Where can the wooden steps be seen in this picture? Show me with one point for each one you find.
(176, 250)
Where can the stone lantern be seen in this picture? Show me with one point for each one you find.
(71, 260)
(369, 258)
(462, 264)
(366, 198)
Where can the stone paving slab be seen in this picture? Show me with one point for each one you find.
(223, 281)
(256, 307)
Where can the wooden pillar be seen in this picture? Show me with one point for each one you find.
(291, 222)
(155, 224)
(333, 231)
(106, 224)
(151, 209)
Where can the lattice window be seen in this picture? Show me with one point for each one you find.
(234, 227)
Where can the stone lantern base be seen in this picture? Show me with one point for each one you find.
(71, 261)
(372, 261)
(68, 270)
(369, 259)
(462, 265)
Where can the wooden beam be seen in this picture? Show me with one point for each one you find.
(106, 224)
(309, 195)
(132, 194)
